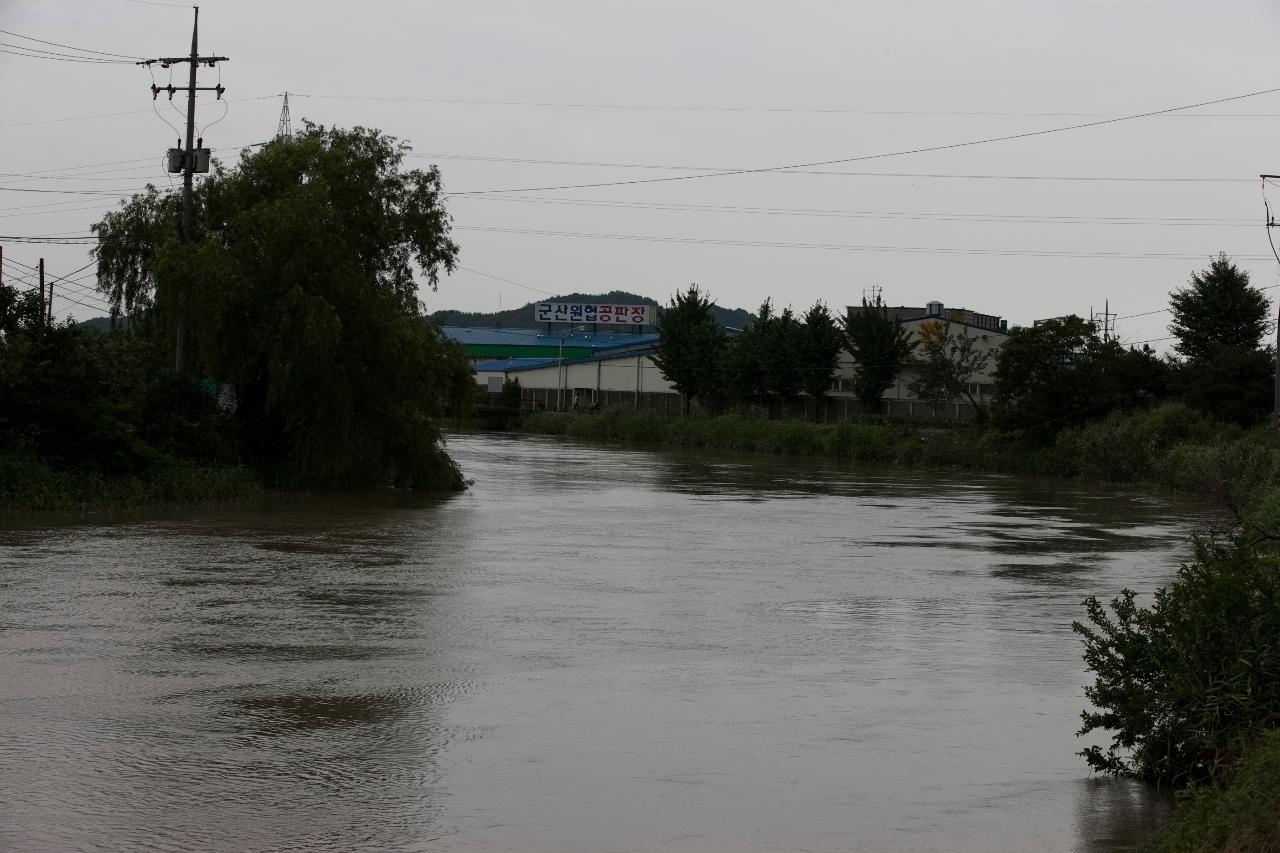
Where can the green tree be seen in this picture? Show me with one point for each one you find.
(1233, 385)
(944, 364)
(1185, 684)
(690, 346)
(1217, 309)
(783, 359)
(818, 353)
(747, 357)
(880, 346)
(1059, 373)
(301, 282)
(1219, 321)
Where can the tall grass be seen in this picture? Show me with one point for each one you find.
(1170, 446)
(1243, 816)
(26, 483)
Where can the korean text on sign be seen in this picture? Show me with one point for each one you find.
(608, 315)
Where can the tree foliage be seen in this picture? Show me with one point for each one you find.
(1217, 309)
(880, 346)
(1060, 373)
(818, 351)
(690, 345)
(1232, 384)
(1185, 684)
(79, 400)
(301, 285)
(747, 357)
(945, 362)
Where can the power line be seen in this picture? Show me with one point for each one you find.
(789, 171)
(116, 115)
(868, 214)
(69, 47)
(96, 209)
(116, 193)
(61, 241)
(843, 246)
(506, 280)
(94, 166)
(32, 53)
(747, 109)
(923, 150)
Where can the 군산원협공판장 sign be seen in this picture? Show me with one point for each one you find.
(608, 315)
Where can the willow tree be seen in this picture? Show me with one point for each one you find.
(299, 287)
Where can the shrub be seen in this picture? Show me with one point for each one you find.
(1127, 446)
(1185, 684)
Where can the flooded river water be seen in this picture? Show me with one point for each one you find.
(593, 649)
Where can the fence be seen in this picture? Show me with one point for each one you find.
(833, 408)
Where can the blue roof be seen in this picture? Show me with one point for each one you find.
(514, 365)
(505, 364)
(541, 337)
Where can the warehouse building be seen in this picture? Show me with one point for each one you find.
(989, 329)
(621, 374)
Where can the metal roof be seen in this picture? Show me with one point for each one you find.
(515, 365)
(481, 336)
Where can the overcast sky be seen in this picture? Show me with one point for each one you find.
(689, 88)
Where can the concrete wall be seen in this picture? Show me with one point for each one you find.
(988, 341)
(626, 374)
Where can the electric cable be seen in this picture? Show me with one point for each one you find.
(70, 47)
(54, 57)
(790, 171)
(864, 157)
(846, 247)
(744, 109)
(867, 214)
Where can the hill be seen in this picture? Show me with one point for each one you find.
(522, 318)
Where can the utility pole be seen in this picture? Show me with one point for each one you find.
(1271, 223)
(42, 302)
(189, 160)
(1108, 324)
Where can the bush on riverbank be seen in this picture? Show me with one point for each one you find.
(1244, 816)
(1170, 445)
(26, 483)
(1185, 685)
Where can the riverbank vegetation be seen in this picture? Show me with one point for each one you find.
(1188, 688)
(1171, 445)
(291, 313)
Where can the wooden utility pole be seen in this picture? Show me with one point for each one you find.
(189, 160)
(42, 302)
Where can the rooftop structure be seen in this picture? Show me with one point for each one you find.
(481, 343)
(938, 311)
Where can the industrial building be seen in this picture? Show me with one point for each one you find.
(989, 329)
(581, 369)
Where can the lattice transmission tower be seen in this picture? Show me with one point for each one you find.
(284, 130)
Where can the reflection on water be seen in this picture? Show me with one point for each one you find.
(594, 649)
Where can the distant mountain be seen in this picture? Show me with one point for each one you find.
(98, 324)
(522, 318)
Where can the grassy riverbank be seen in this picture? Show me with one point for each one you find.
(1170, 446)
(28, 484)
(1243, 816)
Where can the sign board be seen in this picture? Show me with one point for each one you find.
(605, 315)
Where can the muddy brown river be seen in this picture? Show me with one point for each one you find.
(593, 649)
